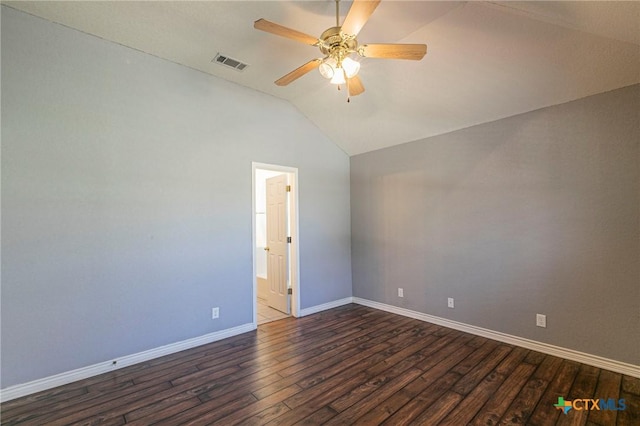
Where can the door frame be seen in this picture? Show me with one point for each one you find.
(294, 257)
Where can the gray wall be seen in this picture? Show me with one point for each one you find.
(537, 213)
(126, 200)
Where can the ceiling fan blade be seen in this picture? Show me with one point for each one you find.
(358, 15)
(299, 72)
(394, 51)
(277, 29)
(355, 86)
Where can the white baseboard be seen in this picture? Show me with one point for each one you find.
(39, 385)
(570, 354)
(325, 306)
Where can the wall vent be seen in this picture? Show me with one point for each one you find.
(229, 62)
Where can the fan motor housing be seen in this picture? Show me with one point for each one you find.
(332, 39)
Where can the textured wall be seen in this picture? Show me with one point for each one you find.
(537, 213)
(126, 200)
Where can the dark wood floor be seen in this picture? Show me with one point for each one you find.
(349, 365)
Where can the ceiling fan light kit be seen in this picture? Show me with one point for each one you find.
(339, 45)
(331, 70)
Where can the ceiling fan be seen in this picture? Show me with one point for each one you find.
(339, 44)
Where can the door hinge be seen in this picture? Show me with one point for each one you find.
(288, 188)
(290, 291)
(289, 240)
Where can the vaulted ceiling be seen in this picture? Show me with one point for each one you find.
(485, 60)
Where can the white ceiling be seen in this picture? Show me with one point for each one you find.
(485, 60)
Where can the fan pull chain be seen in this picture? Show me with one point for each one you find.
(346, 83)
(348, 96)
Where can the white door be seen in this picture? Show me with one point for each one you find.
(277, 249)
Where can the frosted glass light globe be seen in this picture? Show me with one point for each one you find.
(328, 68)
(350, 67)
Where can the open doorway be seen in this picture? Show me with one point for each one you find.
(275, 242)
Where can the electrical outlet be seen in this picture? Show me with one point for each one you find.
(541, 320)
(215, 313)
(400, 292)
(450, 302)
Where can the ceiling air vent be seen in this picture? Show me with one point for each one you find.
(229, 62)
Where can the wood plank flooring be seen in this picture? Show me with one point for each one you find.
(349, 365)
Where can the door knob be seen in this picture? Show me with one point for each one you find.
(266, 248)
